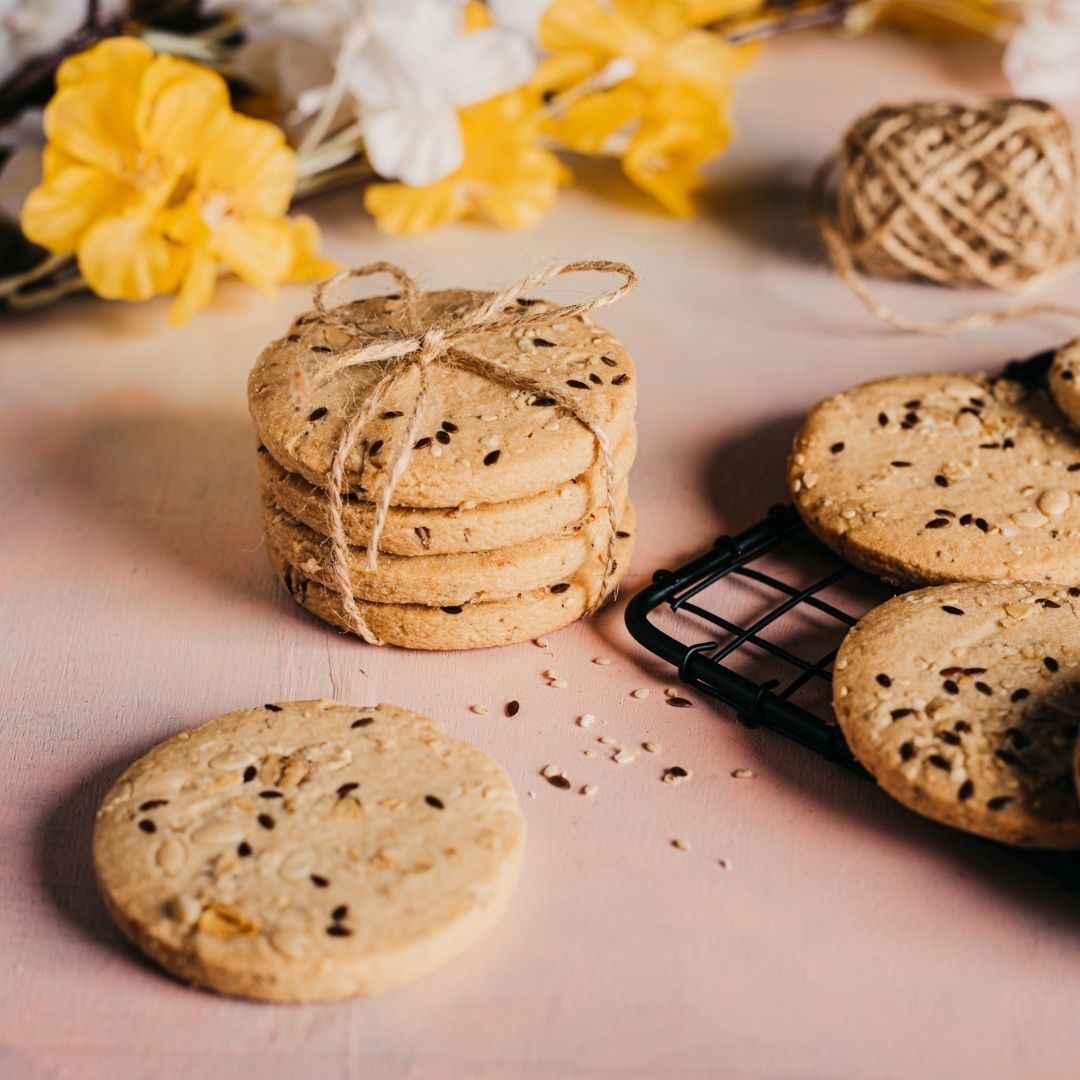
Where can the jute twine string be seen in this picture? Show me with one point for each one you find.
(955, 195)
(421, 348)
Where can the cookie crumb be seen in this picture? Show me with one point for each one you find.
(680, 845)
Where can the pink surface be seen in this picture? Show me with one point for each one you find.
(848, 938)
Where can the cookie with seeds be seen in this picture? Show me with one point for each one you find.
(924, 479)
(437, 580)
(962, 701)
(464, 626)
(480, 440)
(1064, 380)
(451, 530)
(308, 850)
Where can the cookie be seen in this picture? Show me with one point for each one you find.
(962, 700)
(1064, 387)
(480, 441)
(450, 530)
(924, 479)
(309, 851)
(464, 626)
(438, 580)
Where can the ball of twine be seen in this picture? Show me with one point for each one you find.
(958, 195)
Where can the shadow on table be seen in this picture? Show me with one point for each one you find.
(179, 483)
(62, 841)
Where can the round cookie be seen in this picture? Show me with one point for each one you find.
(1064, 380)
(438, 580)
(309, 851)
(479, 440)
(453, 530)
(962, 700)
(465, 626)
(924, 479)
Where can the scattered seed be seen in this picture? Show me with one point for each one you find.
(601, 661)
(344, 790)
(250, 773)
(675, 774)
(650, 747)
(337, 930)
(490, 459)
(680, 702)
(243, 849)
(586, 720)
(1051, 663)
(147, 826)
(548, 771)
(640, 693)
(589, 789)
(512, 707)
(435, 802)
(624, 757)
(742, 774)
(319, 881)
(318, 413)
(266, 821)
(724, 864)
(364, 721)
(681, 845)
(479, 710)
(558, 684)
(607, 740)
(560, 782)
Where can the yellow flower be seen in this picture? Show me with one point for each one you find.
(938, 18)
(153, 182)
(641, 79)
(505, 177)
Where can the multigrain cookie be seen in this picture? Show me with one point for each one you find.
(438, 580)
(1064, 381)
(470, 527)
(308, 851)
(464, 626)
(963, 700)
(479, 440)
(923, 479)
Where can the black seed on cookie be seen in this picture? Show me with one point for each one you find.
(435, 801)
(899, 714)
(1047, 603)
(966, 519)
(243, 849)
(269, 707)
(945, 513)
(321, 348)
(541, 401)
(907, 751)
(882, 419)
(676, 772)
(293, 337)
(949, 672)
(442, 437)
(266, 821)
(424, 535)
(938, 761)
(577, 384)
(319, 881)
(914, 404)
(679, 702)
(1017, 738)
(950, 738)
(620, 379)
(620, 535)
(1007, 444)
(271, 795)
(512, 707)
(836, 448)
(884, 680)
(989, 445)
(392, 414)
(1051, 663)
(561, 587)
(983, 688)
(344, 790)
(607, 360)
(153, 804)
(595, 379)
(376, 446)
(950, 687)
(937, 523)
(981, 525)
(337, 930)
(147, 826)
(1074, 591)
(950, 610)
(262, 450)
(974, 671)
(420, 444)
(317, 414)
(452, 609)
(340, 912)
(1019, 695)
(941, 481)
(962, 726)
(900, 464)
(543, 343)
(449, 427)
(490, 459)
(998, 802)
(250, 773)
(965, 791)
(1074, 467)
(1007, 756)
(362, 722)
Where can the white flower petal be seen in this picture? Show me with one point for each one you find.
(413, 146)
(487, 63)
(1042, 58)
(520, 16)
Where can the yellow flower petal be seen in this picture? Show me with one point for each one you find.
(179, 104)
(119, 59)
(307, 263)
(587, 124)
(127, 258)
(406, 211)
(197, 287)
(259, 250)
(57, 213)
(93, 122)
(250, 160)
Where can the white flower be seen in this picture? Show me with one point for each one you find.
(521, 16)
(413, 68)
(1042, 59)
(29, 28)
(319, 21)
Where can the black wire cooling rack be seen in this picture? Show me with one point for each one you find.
(756, 621)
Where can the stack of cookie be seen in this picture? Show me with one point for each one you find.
(498, 527)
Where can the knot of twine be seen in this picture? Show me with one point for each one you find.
(421, 348)
(942, 192)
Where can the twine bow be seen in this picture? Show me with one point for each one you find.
(438, 344)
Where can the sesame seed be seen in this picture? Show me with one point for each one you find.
(742, 774)
(650, 747)
(548, 771)
(680, 845)
(602, 661)
(589, 789)
(480, 710)
(558, 684)
(540, 643)
(724, 864)
(624, 757)
(640, 693)
(607, 740)
(586, 720)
